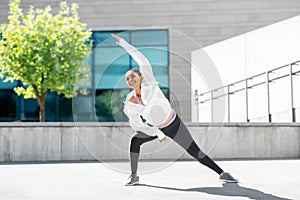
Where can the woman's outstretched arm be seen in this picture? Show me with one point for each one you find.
(142, 61)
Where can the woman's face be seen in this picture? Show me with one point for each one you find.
(133, 79)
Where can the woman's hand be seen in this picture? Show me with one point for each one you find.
(117, 37)
(163, 139)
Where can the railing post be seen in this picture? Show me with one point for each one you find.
(212, 105)
(268, 97)
(292, 94)
(228, 103)
(246, 96)
(197, 104)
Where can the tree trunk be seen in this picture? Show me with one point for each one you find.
(42, 111)
(41, 101)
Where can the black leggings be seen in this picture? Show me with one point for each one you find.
(180, 134)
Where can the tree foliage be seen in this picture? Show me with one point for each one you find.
(45, 51)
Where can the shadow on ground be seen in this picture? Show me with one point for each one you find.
(227, 189)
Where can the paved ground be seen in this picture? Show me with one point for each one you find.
(262, 179)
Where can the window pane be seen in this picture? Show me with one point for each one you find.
(65, 109)
(161, 75)
(109, 105)
(8, 108)
(31, 110)
(51, 107)
(82, 108)
(110, 66)
(105, 56)
(7, 85)
(149, 37)
(105, 39)
(112, 78)
(157, 55)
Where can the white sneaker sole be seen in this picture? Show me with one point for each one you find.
(135, 183)
(228, 181)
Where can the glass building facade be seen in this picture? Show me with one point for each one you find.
(107, 89)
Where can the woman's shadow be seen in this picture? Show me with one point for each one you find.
(227, 189)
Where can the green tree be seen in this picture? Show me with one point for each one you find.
(44, 51)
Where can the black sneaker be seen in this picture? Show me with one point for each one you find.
(132, 180)
(226, 177)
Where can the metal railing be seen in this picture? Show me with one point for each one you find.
(267, 78)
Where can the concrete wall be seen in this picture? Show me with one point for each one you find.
(110, 141)
(191, 23)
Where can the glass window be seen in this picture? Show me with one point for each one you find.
(103, 38)
(110, 66)
(65, 109)
(8, 108)
(7, 85)
(149, 37)
(157, 55)
(51, 107)
(31, 110)
(109, 105)
(111, 62)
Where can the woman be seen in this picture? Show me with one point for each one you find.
(151, 116)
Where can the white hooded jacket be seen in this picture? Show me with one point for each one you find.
(156, 109)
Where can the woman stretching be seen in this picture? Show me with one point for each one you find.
(151, 116)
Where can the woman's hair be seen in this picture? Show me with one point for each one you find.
(136, 71)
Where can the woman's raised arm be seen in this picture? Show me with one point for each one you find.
(142, 61)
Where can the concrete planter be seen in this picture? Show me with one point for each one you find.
(67, 141)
